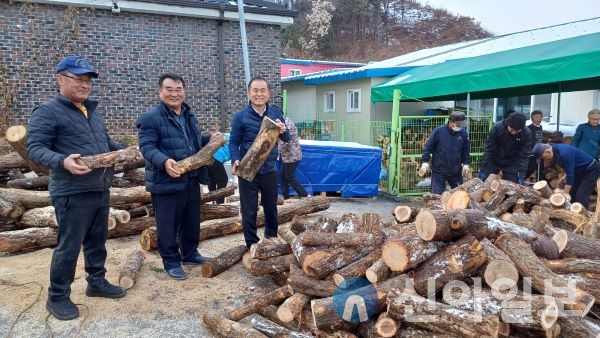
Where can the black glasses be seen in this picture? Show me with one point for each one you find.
(78, 80)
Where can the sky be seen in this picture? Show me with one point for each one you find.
(510, 16)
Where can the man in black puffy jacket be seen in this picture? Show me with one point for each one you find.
(169, 132)
(60, 132)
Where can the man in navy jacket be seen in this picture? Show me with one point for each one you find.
(244, 130)
(450, 146)
(60, 132)
(168, 133)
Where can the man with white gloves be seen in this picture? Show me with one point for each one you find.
(447, 148)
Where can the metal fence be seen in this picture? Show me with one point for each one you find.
(318, 126)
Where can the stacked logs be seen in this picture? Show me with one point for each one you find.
(491, 259)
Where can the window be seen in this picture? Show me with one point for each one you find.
(353, 103)
(329, 101)
(295, 72)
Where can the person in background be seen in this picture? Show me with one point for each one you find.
(167, 133)
(216, 172)
(291, 154)
(581, 169)
(537, 134)
(587, 135)
(448, 149)
(508, 112)
(244, 130)
(60, 131)
(507, 149)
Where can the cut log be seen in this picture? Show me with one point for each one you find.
(573, 265)
(141, 211)
(272, 329)
(498, 266)
(505, 205)
(544, 188)
(463, 323)
(148, 239)
(274, 297)
(120, 196)
(304, 284)
(229, 328)
(529, 265)
(370, 223)
(319, 265)
(111, 222)
(452, 262)
(10, 209)
(126, 166)
(325, 316)
(292, 307)
(408, 251)
(128, 273)
(267, 138)
(351, 239)
(264, 250)
(28, 199)
(111, 158)
(39, 217)
(12, 161)
(218, 194)
(27, 239)
(560, 200)
(348, 223)
(224, 261)
(358, 268)
(217, 211)
(545, 247)
(575, 327)
(259, 267)
(386, 326)
(29, 183)
(576, 245)
(378, 271)
(404, 213)
(203, 157)
(122, 216)
(133, 227)
(441, 225)
(285, 213)
(16, 136)
(458, 200)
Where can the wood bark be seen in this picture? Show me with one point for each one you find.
(529, 265)
(264, 250)
(271, 265)
(577, 246)
(148, 239)
(267, 138)
(274, 297)
(229, 328)
(217, 211)
(350, 239)
(357, 268)
(545, 247)
(111, 158)
(27, 239)
(125, 166)
(203, 157)
(10, 208)
(304, 284)
(348, 223)
(12, 161)
(575, 327)
(141, 211)
(285, 213)
(442, 225)
(29, 183)
(378, 271)
(497, 266)
(39, 217)
(370, 223)
(326, 318)
(16, 136)
(408, 251)
(218, 194)
(224, 261)
(274, 330)
(452, 262)
(573, 265)
(292, 307)
(128, 273)
(447, 319)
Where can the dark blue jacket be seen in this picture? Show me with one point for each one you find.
(160, 138)
(507, 152)
(573, 160)
(587, 138)
(57, 129)
(244, 130)
(450, 150)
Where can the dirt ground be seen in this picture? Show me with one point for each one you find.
(156, 306)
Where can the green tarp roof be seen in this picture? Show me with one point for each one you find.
(559, 66)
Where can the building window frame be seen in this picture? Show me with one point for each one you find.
(353, 100)
(329, 101)
(295, 72)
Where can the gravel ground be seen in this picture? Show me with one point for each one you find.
(156, 306)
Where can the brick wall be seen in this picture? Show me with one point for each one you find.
(130, 51)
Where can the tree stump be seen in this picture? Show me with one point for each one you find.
(267, 138)
(128, 273)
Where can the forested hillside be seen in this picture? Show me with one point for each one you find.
(372, 30)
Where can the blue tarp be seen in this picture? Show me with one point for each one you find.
(346, 167)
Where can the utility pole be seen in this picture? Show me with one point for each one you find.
(244, 41)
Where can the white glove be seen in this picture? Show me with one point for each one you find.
(423, 170)
(465, 170)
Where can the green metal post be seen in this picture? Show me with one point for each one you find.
(284, 101)
(393, 169)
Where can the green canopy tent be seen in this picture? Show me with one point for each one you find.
(559, 66)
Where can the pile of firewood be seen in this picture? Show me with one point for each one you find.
(488, 258)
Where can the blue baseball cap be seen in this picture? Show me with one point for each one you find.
(76, 65)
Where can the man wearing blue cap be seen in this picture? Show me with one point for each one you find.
(60, 132)
(581, 169)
